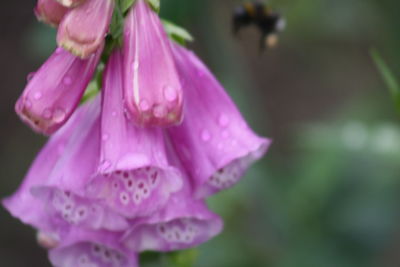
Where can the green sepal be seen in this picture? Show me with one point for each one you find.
(177, 33)
(155, 5)
(125, 5)
(388, 77)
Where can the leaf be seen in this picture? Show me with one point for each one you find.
(126, 4)
(186, 258)
(155, 4)
(388, 77)
(177, 33)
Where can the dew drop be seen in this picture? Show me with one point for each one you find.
(170, 93)
(28, 103)
(37, 95)
(223, 120)
(59, 115)
(160, 111)
(114, 113)
(67, 80)
(47, 114)
(144, 105)
(59, 50)
(105, 137)
(205, 135)
(136, 65)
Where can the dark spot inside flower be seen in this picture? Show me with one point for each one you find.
(130, 184)
(162, 229)
(126, 174)
(141, 185)
(107, 254)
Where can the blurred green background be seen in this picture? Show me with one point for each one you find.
(326, 194)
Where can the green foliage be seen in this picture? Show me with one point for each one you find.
(155, 4)
(388, 77)
(177, 33)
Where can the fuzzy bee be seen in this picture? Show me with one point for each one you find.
(261, 16)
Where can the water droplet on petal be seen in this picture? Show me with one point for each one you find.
(47, 114)
(37, 95)
(114, 113)
(59, 115)
(67, 80)
(28, 103)
(144, 105)
(205, 135)
(59, 50)
(170, 93)
(160, 111)
(136, 65)
(105, 137)
(223, 120)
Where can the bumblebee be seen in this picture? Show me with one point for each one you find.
(258, 14)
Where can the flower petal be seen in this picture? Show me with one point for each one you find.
(153, 92)
(214, 141)
(134, 177)
(59, 176)
(91, 249)
(54, 91)
(50, 12)
(83, 29)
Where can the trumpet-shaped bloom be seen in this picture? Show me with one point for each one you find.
(70, 3)
(89, 249)
(153, 93)
(55, 90)
(182, 224)
(134, 176)
(83, 29)
(53, 194)
(214, 141)
(50, 12)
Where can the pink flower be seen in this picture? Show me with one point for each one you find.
(52, 197)
(134, 177)
(50, 12)
(153, 93)
(83, 29)
(55, 90)
(183, 223)
(214, 141)
(88, 249)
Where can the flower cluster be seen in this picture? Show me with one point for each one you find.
(129, 170)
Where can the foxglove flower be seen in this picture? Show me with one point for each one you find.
(83, 29)
(55, 90)
(134, 176)
(59, 176)
(183, 223)
(50, 12)
(153, 93)
(70, 3)
(81, 248)
(214, 141)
